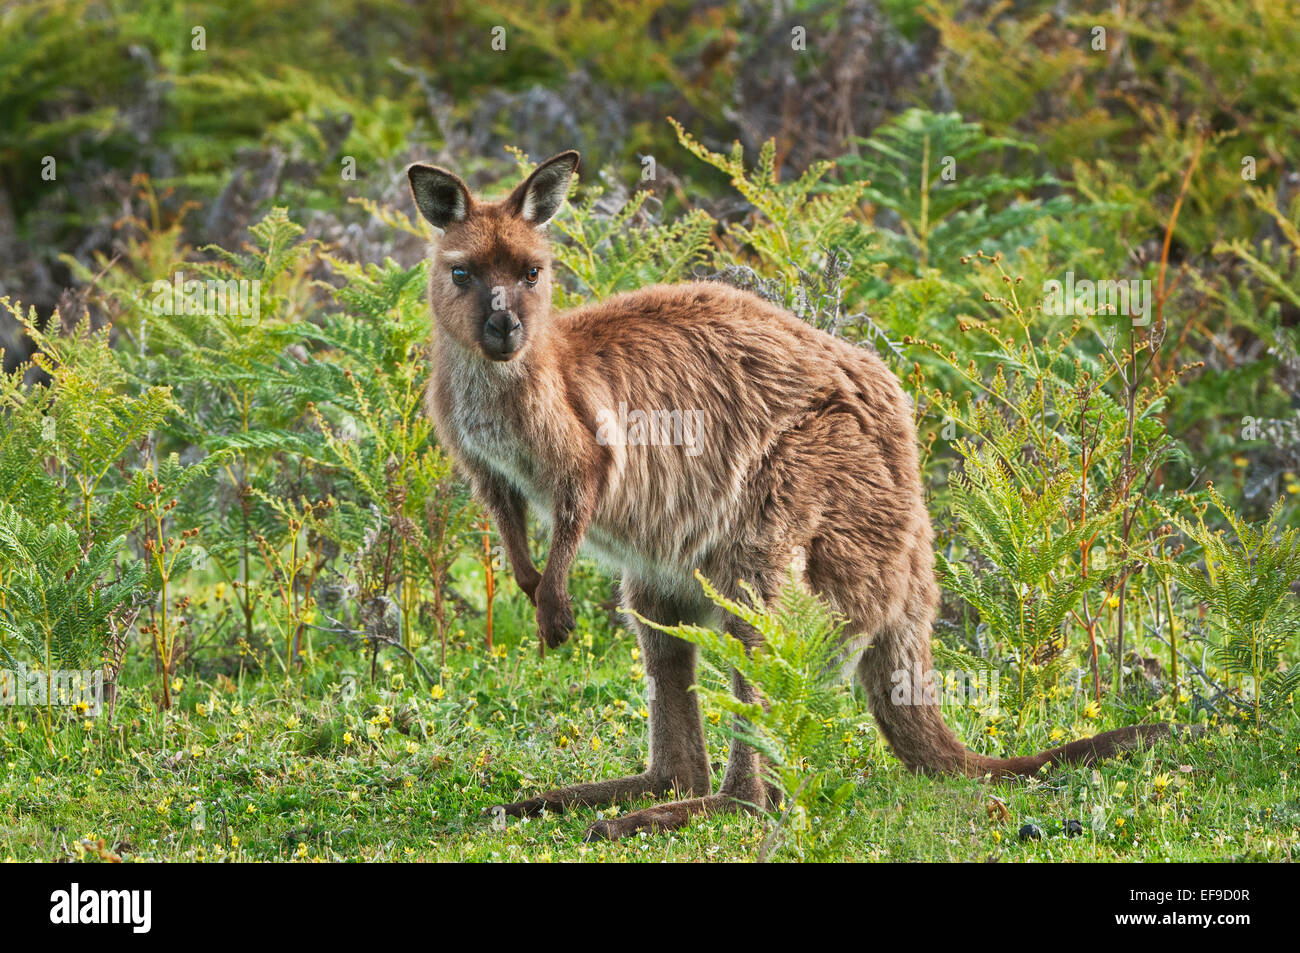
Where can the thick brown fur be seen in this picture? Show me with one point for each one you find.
(806, 446)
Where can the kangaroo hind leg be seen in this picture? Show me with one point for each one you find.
(678, 760)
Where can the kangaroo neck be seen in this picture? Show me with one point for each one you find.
(527, 384)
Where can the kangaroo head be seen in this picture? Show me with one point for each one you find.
(491, 285)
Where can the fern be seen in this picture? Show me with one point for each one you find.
(796, 221)
(798, 725)
(1029, 585)
(1038, 505)
(932, 172)
(58, 599)
(1246, 584)
(607, 252)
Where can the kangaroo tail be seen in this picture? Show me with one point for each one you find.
(896, 671)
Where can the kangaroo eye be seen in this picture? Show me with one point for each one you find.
(459, 275)
(531, 275)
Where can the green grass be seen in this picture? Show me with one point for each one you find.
(317, 770)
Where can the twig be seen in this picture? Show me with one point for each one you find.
(350, 633)
(1220, 691)
(768, 842)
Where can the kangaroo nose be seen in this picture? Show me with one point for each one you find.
(501, 325)
(502, 333)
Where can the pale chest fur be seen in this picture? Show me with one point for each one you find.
(467, 405)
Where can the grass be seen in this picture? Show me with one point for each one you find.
(333, 766)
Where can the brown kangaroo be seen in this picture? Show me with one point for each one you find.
(798, 442)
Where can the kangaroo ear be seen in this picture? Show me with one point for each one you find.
(442, 197)
(540, 196)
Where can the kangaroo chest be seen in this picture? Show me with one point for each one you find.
(495, 447)
(642, 524)
(490, 437)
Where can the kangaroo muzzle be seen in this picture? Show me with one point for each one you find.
(503, 335)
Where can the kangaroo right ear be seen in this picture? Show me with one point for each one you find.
(442, 197)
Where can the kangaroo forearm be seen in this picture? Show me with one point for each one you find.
(515, 535)
(510, 513)
(574, 505)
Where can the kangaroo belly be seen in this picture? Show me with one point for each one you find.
(664, 513)
(650, 523)
(649, 520)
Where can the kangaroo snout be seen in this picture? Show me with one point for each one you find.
(503, 335)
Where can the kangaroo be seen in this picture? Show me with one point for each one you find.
(804, 444)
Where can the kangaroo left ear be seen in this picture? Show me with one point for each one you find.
(540, 196)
